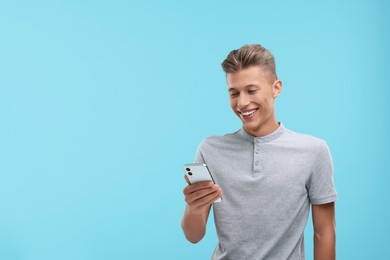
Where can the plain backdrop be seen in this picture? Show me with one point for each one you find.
(102, 102)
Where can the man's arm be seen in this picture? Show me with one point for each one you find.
(194, 224)
(199, 198)
(324, 231)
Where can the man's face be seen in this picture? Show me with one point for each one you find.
(252, 92)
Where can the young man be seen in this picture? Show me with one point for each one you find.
(269, 174)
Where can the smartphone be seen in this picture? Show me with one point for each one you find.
(198, 172)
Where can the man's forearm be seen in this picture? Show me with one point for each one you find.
(194, 225)
(325, 245)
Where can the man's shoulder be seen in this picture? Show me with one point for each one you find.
(301, 139)
(217, 140)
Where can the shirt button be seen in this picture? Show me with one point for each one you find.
(257, 163)
(258, 140)
(257, 151)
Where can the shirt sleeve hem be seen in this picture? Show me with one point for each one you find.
(324, 200)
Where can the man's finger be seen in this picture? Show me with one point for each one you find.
(200, 194)
(198, 186)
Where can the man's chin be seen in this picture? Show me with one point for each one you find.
(249, 126)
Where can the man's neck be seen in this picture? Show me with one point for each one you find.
(265, 129)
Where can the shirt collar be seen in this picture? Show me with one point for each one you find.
(262, 139)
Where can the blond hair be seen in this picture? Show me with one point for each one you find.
(250, 55)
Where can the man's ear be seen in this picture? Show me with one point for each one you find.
(277, 88)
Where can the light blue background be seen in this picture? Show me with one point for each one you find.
(101, 103)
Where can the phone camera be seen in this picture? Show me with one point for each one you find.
(188, 169)
(190, 173)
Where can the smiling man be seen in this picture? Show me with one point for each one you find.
(267, 175)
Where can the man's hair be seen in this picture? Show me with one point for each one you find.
(250, 55)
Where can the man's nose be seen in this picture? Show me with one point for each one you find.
(243, 101)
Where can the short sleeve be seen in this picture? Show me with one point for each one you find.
(198, 156)
(320, 186)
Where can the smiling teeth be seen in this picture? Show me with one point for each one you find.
(248, 112)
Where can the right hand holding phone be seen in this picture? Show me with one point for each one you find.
(199, 196)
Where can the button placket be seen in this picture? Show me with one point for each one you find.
(256, 156)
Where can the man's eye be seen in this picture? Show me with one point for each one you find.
(252, 91)
(233, 94)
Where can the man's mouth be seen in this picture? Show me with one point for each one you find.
(248, 113)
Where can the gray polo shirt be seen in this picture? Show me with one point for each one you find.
(268, 184)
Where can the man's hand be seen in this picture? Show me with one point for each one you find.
(199, 196)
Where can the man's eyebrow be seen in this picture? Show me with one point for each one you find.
(247, 86)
